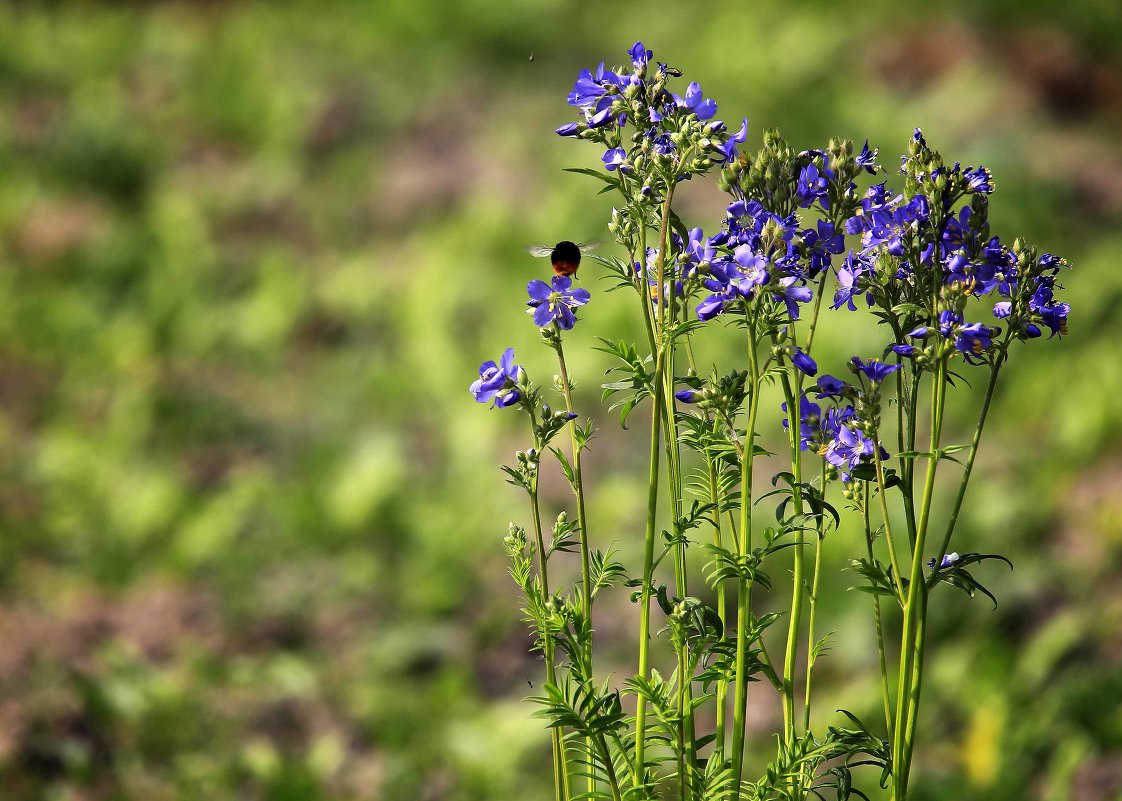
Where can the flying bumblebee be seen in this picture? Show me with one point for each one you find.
(565, 256)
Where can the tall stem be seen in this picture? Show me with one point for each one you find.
(560, 763)
(915, 607)
(793, 413)
(656, 414)
(811, 656)
(648, 568)
(582, 524)
(744, 547)
(882, 494)
(885, 693)
(582, 517)
(722, 612)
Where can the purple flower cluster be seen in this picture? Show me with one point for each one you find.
(837, 434)
(937, 244)
(1032, 298)
(760, 253)
(610, 99)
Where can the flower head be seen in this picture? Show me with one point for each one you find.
(555, 303)
(813, 185)
(875, 370)
(593, 92)
(867, 159)
(696, 102)
(616, 158)
(948, 560)
(728, 149)
(830, 387)
(856, 267)
(978, 180)
(499, 382)
(804, 362)
(640, 57)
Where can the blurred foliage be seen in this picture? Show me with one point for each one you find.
(250, 256)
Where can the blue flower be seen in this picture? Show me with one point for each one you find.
(714, 305)
(973, 339)
(793, 295)
(616, 158)
(699, 252)
(663, 145)
(804, 362)
(948, 560)
(600, 118)
(695, 101)
(830, 387)
(849, 448)
(728, 149)
(688, 395)
(857, 267)
(957, 232)
(980, 276)
(979, 180)
(890, 230)
(867, 159)
(875, 209)
(1055, 317)
(499, 381)
(556, 303)
(970, 339)
(569, 129)
(875, 370)
(823, 243)
(753, 270)
(594, 92)
(812, 185)
(640, 56)
(1042, 303)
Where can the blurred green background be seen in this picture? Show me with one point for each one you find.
(250, 258)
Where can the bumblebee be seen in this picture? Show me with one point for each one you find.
(565, 255)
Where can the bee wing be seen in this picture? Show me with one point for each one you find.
(588, 247)
(540, 251)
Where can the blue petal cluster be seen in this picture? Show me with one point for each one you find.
(499, 382)
(555, 303)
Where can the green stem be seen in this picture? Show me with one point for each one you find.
(911, 653)
(811, 657)
(613, 782)
(722, 611)
(885, 693)
(648, 568)
(582, 524)
(793, 410)
(817, 307)
(560, 763)
(744, 547)
(883, 497)
(674, 476)
(797, 462)
(916, 682)
(657, 390)
(582, 517)
(683, 745)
